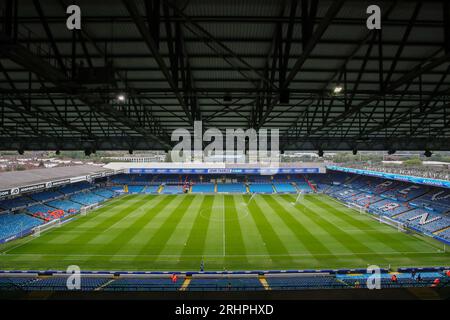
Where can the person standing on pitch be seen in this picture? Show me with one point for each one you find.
(202, 266)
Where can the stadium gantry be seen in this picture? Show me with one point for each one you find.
(139, 69)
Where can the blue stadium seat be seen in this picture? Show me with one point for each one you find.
(66, 205)
(231, 188)
(170, 189)
(45, 195)
(14, 224)
(203, 188)
(261, 188)
(87, 198)
(222, 284)
(285, 188)
(304, 282)
(143, 284)
(60, 284)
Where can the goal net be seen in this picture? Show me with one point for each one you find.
(298, 199)
(251, 198)
(84, 210)
(400, 226)
(54, 223)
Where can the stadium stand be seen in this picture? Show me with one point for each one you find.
(14, 283)
(66, 205)
(144, 284)
(389, 208)
(284, 188)
(403, 279)
(104, 192)
(73, 188)
(46, 195)
(261, 188)
(87, 198)
(15, 203)
(13, 224)
(405, 192)
(445, 234)
(303, 186)
(151, 189)
(136, 188)
(304, 282)
(231, 188)
(171, 189)
(203, 188)
(45, 212)
(436, 200)
(59, 283)
(424, 220)
(224, 284)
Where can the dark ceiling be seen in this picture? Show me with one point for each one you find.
(231, 64)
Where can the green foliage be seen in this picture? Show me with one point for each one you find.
(413, 162)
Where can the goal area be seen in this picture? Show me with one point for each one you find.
(400, 226)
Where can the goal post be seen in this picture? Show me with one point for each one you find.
(400, 226)
(298, 199)
(251, 198)
(44, 227)
(84, 210)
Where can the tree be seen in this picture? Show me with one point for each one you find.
(413, 162)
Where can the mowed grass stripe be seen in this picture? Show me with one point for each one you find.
(358, 248)
(78, 224)
(155, 244)
(78, 240)
(197, 237)
(88, 224)
(257, 254)
(179, 236)
(386, 238)
(313, 226)
(214, 243)
(122, 238)
(272, 242)
(312, 244)
(158, 215)
(234, 243)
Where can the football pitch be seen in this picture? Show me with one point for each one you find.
(227, 232)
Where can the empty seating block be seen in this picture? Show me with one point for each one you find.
(87, 198)
(151, 189)
(104, 192)
(169, 189)
(144, 284)
(66, 205)
(14, 224)
(45, 212)
(221, 284)
(285, 188)
(76, 187)
(203, 188)
(231, 188)
(261, 188)
(60, 284)
(136, 189)
(45, 196)
(307, 282)
(18, 202)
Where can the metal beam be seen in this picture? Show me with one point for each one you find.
(152, 45)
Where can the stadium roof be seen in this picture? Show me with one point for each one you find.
(16, 179)
(231, 64)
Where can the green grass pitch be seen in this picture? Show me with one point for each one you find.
(175, 232)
